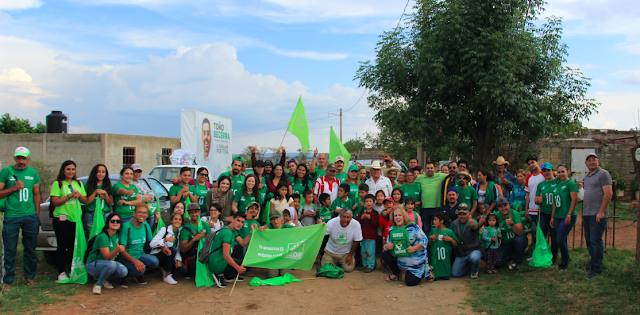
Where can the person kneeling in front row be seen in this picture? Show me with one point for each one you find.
(134, 236)
(100, 260)
(345, 235)
(220, 260)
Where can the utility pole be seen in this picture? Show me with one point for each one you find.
(340, 122)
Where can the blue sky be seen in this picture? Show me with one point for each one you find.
(129, 66)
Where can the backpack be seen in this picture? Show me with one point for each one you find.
(52, 208)
(205, 252)
(89, 249)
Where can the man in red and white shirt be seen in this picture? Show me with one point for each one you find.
(327, 184)
(531, 208)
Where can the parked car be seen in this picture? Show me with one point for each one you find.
(47, 241)
(166, 173)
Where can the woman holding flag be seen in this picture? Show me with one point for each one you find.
(98, 195)
(66, 195)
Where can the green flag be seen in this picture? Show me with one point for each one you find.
(542, 254)
(285, 248)
(298, 126)
(336, 148)
(78, 272)
(287, 278)
(203, 276)
(98, 219)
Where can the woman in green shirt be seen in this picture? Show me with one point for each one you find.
(302, 180)
(126, 195)
(98, 191)
(67, 192)
(200, 184)
(565, 198)
(247, 195)
(100, 261)
(353, 182)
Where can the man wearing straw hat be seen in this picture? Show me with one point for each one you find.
(20, 189)
(377, 181)
(502, 177)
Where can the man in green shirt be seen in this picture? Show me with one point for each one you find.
(20, 189)
(221, 264)
(237, 180)
(466, 193)
(183, 192)
(341, 175)
(134, 235)
(411, 189)
(192, 232)
(431, 198)
(514, 242)
(320, 169)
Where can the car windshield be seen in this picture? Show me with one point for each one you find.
(159, 190)
(167, 174)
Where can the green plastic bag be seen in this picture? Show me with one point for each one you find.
(78, 273)
(287, 278)
(542, 254)
(204, 278)
(330, 271)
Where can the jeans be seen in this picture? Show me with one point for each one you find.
(169, 262)
(149, 261)
(593, 236)
(368, 252)
(427, 214)
(464, 264)
(534, 225)
(125, 220)
(105, 270)
(150, 220)
(545, 226)
(409, 278)
(10, 233)
(87, 222)
(514, 251)
(561, 237)
(66, 236)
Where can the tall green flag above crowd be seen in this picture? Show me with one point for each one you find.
(299, 127)
(336, 148)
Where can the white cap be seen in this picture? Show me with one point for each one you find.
(339, 158)
(136, 167)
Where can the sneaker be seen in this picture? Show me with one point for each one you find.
(368, 270)
(234, 279)
(474, 275)
(489, 271)
(219, 279)
(140, 280)
(107, 285)
(62, 276)
(30, 282)
(591, 275)
(361, 268)
(169, 279)
(563, 267)
(97, 290)
(512, 266)
(124, 283)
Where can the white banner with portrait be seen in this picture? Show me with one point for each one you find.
(209, 137)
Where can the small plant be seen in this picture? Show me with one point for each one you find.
(635, 185)
(622, 185)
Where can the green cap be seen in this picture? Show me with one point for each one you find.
(254, 203)
(547, 166)
(22, 151)
(274, 215)
(238, 158)
(353, 168)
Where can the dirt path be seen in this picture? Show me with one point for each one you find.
(356, 293)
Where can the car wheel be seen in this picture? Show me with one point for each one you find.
(50, 257)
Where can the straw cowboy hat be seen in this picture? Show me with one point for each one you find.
(376, 165)
(397, 170)
(500, 161)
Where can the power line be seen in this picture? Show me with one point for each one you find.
(401, 15)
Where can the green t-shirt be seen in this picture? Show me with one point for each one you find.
(195, 228)
(414, 190)
(562, 198)
(244, 201)
(20, 203)
(92, 206)
(467, 195)
(246, 228)
(317, 173)
(200, 191)
(102, 240)
(431, 190)
(353, 191)
(175, 189)
(545, 189)
(236, 181)
(69, 208)
(217, 264)
(440, 253)
(359, 208)
(263, 190)
(134, 238)
(341, 177)
(341, 204)
(298, 187)
(325, 215)
(507, 232)
(124, 211)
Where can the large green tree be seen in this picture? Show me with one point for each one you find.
(10, 125)
(476, 74)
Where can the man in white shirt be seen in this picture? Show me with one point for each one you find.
(344, 236)
(377, 181)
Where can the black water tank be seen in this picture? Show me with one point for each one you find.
(57, 122)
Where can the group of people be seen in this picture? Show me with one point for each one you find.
(435, 225)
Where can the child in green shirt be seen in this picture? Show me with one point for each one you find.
(358, 204)
(442, 242)
(324, 214)
(342, 201)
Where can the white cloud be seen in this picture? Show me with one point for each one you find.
(631, 77)
(19, 4)
(618, 111)
(19, 95)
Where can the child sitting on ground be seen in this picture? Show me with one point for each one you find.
(442, 241)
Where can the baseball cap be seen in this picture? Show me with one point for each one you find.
(259, 163)
(274, 215)
(588, 155)
(136, 167)
(353, 168)
(547, 166)
(331, 167)
(339, 158)
(463, 207)
(238, 158)
(388, 199)
(454, 190)
(268, 163)
(193, 207)
(501, 201)
(254, 203)
(22, 151)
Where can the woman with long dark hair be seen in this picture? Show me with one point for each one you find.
(67, 192)
(126, 195)
(258, 170)
(101, 259)
(98, 185)
(488, 191)
(301, 180)
(222, 195)
(277, 176)
(247, 195)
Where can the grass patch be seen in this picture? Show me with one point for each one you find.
(549, 291)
